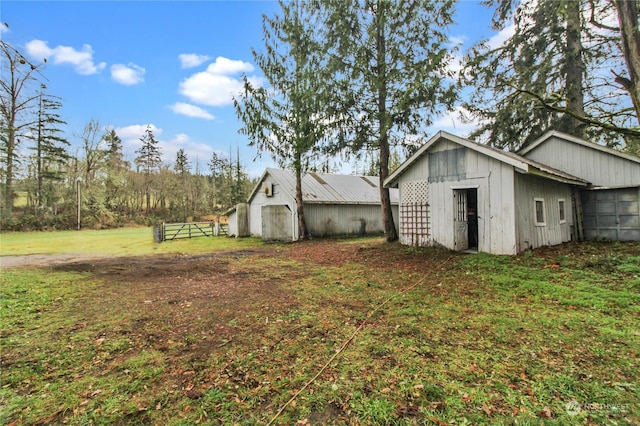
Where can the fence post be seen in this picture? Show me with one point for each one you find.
(157, 234)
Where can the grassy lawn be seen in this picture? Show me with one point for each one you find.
(111, 242)
(355, 332)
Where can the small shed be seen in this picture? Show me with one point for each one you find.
(462, 195)
(334, 205)
(610, 206)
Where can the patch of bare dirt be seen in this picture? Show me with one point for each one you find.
(37, 260)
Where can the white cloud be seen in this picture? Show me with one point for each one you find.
(82, 60)
(218, 84)
(132, 134)
(191, 111)
(197, 153)
(498, 39)
(190, 60)
(228, 66)
(128, 75)
(453, 122)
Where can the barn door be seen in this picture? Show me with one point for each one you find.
(277, 224)
(460, 223)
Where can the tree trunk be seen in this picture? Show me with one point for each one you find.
(303, 234)
(574, 69)
(385, 199)
(630, 39)
(383, 124)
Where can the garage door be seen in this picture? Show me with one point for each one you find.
(612, 214)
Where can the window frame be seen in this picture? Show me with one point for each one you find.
(562, 210)
(535, 212)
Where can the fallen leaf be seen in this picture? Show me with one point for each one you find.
(546, 413)
(437, 421)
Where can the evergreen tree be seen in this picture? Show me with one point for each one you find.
(182, 169)
(148, 162)
(218, 166)
(50, 148)
(117, 170)
(389, 76)
(556, 72)
(114, 148)
(284, 119)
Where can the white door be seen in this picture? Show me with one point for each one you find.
(460, 224)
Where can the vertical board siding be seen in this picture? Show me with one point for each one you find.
(527, 189)
(276, 223)
(279, 197)
(494, 182)
(597, 167)
(232, 219)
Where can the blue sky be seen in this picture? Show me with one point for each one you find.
(168, 64)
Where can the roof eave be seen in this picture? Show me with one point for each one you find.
(553, 176)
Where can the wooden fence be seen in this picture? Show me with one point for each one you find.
(176, 231)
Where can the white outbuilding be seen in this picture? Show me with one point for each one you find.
(334, 205)
(462, 195)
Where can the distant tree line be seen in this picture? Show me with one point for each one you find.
(345, 79)
(42, 180)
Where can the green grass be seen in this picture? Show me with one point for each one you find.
(112, 242)
(481, 340)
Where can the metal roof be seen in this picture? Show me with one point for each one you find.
(325, 188)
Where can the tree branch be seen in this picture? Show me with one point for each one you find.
(597, 24)
(587, 120)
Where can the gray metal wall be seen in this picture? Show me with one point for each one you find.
(331, 220)
(612, 214)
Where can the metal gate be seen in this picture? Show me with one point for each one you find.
(176, 231)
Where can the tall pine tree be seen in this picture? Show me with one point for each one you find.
(50, 148)
(284, 118)
(148, 161)
(389, 76)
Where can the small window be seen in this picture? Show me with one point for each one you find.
(539, 206)
(561, 211)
